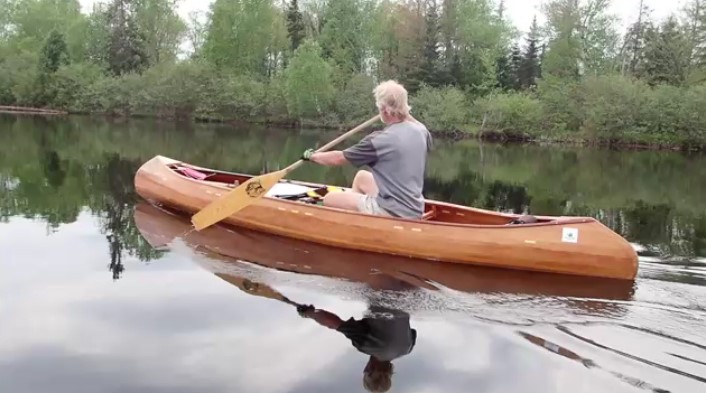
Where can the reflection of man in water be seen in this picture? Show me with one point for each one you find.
(384, 334)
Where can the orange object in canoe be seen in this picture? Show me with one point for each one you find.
(447, 232)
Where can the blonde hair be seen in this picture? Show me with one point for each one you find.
(391, 97)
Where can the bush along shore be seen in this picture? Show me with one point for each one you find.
(606, 110)
(469, 71)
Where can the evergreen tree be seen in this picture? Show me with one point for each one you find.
(501, 9)
(530, 67)
(503, 72)
(515, 68)
(430, 65)
(667, 55)
(695, 20)
(54, 54)
(126, 46)
(296, 31)
(542, 56)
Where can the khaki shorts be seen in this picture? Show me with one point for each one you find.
(369, 205)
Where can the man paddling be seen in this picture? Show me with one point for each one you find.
(396, 157)
(383, 333)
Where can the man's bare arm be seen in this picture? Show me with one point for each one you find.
(329, 158)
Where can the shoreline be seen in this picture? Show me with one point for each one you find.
(499, 137)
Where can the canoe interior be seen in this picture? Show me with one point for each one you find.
(442, 213)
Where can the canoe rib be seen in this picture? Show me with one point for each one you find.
(457, 234)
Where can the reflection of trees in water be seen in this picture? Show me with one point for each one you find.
(53, 169)
(469, 188)
(113, 200)
(649, 223)
(657, 226)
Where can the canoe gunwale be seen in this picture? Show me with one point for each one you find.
(553, 221)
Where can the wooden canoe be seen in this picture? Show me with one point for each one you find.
(447, 232)
(233, 255)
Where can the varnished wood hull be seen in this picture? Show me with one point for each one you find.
(457, 234)
(230, 253)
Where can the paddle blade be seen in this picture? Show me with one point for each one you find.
(255, 288)
(237, 199)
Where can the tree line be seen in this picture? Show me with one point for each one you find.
(575, 76)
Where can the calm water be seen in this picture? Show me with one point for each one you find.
(103, 293)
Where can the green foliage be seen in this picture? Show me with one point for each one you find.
(441, 109)
(111, 95)
(666, 55)
(605, 108)
(296, 31)
(583, 38)
(563, 104)
(343, 38)
(617, 107)
(33, 20)
(430, 70)
(18, 76)
(694, 126)
(481, 36)
(676, 114)
(511, 113)
(54, 54)
(251, 62)
(239, 35)
(355, 101)
(275, 100)
(530, 70)
(397, 41)
(234, 97)
(125, 46)
(308, 82)
(161, 27)
(172, 91)
(97, 39)
(70, 84)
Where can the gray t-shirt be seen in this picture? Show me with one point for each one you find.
(397, 158)
(384, 333)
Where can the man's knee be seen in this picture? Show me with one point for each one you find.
(364, 183)
(364, 175)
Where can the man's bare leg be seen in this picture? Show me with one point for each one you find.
(364, 183)
(343, 200)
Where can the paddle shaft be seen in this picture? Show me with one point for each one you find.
(253, 189)
(335, 142)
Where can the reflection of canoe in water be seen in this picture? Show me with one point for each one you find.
(452, 233)
(377, 271)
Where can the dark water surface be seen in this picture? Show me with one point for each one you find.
(100, 292)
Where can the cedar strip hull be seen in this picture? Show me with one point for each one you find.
(455, 234)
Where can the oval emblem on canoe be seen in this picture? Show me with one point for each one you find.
(255, 189)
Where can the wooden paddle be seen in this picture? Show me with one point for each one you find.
(256, 288)
(253, 189)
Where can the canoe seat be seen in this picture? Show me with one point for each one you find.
(192, 173)
(526, 219)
